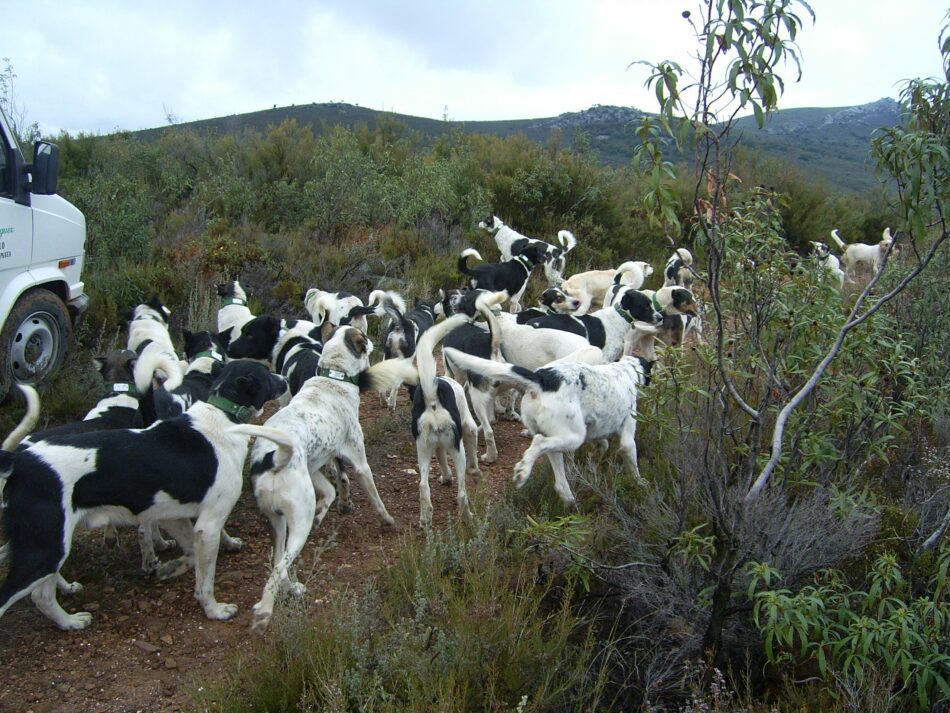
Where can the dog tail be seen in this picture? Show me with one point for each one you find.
(838, 241)
(463, 259)
(484, 305)
(392, 304)
(389, 374)
(516, 376)
(149, 363)
(425, 361)
(27, 423)
(567, 240)
(285, 446)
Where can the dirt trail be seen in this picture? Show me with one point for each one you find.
(149, 640)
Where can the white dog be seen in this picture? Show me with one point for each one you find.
(857, 256)
(592, 287)
(322, 421)
(565, 405)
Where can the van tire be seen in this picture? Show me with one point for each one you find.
(34, 339)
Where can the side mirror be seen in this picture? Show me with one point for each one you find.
(45, 168)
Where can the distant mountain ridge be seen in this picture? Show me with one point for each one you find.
(833, 143)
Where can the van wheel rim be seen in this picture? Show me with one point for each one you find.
(34, 346)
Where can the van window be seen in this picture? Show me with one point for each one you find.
(6, 184)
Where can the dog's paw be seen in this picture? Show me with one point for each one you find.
(231, 544)
(473, 472)
(69, 587)
(488, 457)
(173, 568)
(525, 433)
(388, 519)
(261, 621)
(151, 566)
(220, 611)
(75, 622)
(445, 479)
(161, 544)
(345, 507)
(521, 473)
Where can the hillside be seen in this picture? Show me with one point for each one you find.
(833, 143)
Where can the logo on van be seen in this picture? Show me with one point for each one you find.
(5, 231)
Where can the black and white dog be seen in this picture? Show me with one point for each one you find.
(233, 313)
(118, 408)
(404, 330)
(565, 405)
(322, 422)
(827, 262)
(205, 361)
(511, 243)
(149, 337)
(330, 310)
(442, 424)
(608, 328)
(678, 270)
(510, 276)
(553, 300)
(185, 467)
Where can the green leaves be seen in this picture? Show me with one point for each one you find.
(854, 633)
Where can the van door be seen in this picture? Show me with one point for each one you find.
(16, 220)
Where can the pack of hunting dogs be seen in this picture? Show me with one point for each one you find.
(164, 449)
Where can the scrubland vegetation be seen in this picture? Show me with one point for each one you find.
(735, 578)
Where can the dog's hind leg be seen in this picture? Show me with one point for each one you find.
(21, 580)
(296, 520)
(483, 405)
(4, 552)
(325, 494)
(231, 544)
(561, 486)
(469, 440)
(342, 483)
(44, 597)
(424, 453)
(445, 475)
(183, 532)
(460, 459)
(628, 446)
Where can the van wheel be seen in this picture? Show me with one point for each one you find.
(34, 339)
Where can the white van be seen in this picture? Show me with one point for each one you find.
(41, 257)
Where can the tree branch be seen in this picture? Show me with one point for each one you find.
(852, 322)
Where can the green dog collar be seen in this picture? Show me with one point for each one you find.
(494, 231)
(242, 414)
(656, 305)
(338, 375)
(624, 313)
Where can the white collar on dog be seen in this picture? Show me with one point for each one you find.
(149, 316)
(233, 301)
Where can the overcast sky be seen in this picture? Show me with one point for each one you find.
(97, 66)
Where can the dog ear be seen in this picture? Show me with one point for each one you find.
(127, 313)
(100, 363)
(224, 339)
(356, 342)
